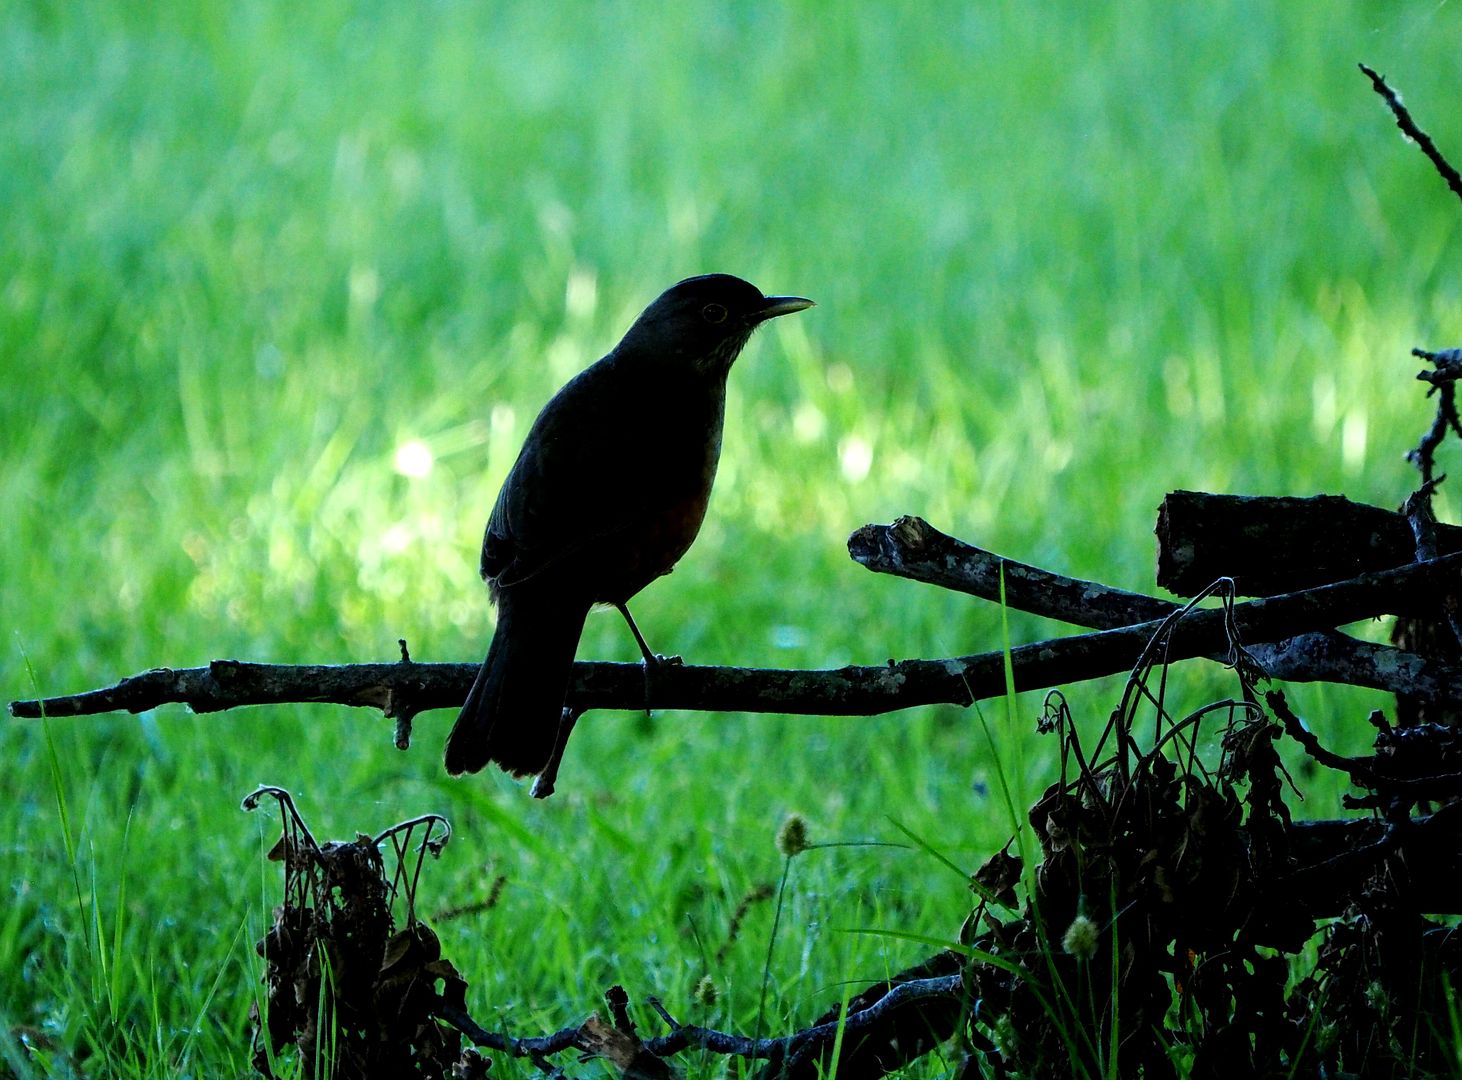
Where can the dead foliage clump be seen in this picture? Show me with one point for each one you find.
(351, 993)
(1170, 908)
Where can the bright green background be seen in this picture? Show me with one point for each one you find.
(1067, 257)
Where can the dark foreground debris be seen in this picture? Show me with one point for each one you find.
(354, 995)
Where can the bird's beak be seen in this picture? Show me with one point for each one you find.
(782, 305)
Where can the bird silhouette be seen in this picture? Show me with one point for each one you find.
(607, 493)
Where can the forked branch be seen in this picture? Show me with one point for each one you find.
(1296, 623)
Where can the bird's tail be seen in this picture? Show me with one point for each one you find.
(512, 712)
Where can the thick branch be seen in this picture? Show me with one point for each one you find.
(1271, 545)
(408, 687)
(912, 548)
(895, 1026)
(899, 996)
(848, 691)
(1333, 857)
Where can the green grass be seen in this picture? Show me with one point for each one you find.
(1067, 257)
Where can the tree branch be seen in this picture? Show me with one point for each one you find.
(912, 548)
(1444, 385)
(1277, 544)
(794, 1050)
(1411, 131)
(406, 688)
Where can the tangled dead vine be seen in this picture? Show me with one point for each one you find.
(1167, 912)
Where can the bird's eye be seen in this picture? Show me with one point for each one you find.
(713, 313)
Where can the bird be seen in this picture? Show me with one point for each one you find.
(607, 493)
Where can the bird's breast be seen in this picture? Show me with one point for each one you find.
(678, 449)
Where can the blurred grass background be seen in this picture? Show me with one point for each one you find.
(282, 286)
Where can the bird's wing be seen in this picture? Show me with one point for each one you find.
(579, 479)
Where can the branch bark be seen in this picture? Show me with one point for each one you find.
(1271, 545)
(912, 548)
(887, 1026)
(1411, 131)
(406, 688)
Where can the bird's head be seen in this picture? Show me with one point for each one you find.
(705, 320)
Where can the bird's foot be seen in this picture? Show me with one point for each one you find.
(651, 663)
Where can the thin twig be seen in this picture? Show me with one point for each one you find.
(1415, 134)
(1443, 382)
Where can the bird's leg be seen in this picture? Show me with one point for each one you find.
(652, 660)
(543, 784)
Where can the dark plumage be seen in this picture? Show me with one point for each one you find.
(608, 492)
